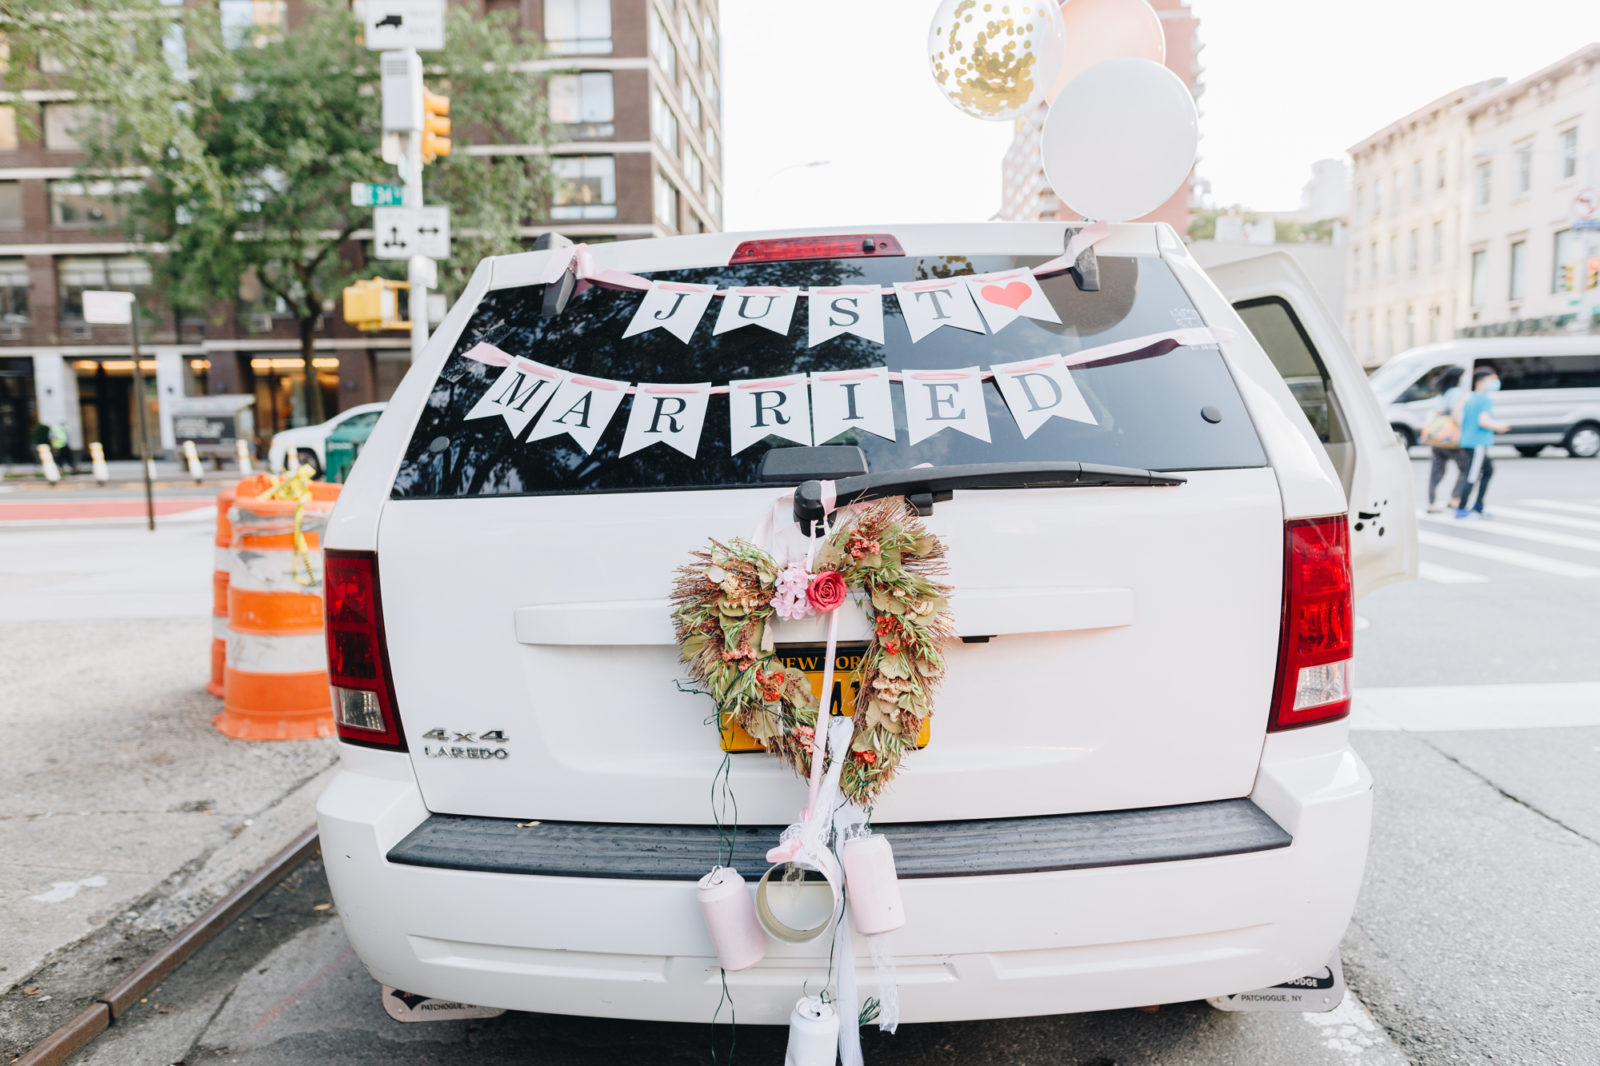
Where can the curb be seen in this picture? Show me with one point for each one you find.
(103, 1013)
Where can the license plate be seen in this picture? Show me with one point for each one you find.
(810, 659)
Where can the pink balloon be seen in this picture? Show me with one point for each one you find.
(1097, 30)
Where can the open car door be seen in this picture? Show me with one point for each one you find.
(1281, 307)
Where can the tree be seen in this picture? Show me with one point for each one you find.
(250, 145)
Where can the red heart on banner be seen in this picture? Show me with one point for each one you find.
(1013, 295)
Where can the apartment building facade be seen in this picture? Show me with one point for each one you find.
(1026, 194)
(635, 104)
(1407, 225)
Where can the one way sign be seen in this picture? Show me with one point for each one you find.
(402, 232)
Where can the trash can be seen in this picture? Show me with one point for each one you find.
(342, 447)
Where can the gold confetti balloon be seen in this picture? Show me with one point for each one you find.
(995, 59)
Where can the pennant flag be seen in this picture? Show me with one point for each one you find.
(581, 408)
(851, 399)
(1038, 390)
(945, 399)
(756, 305)
(763, 406)
(666, 414)
(927, 305)
(854, 309)
(517, 394)
(671, 305)
(1005, 297)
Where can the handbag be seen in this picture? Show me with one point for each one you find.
(1442, 431)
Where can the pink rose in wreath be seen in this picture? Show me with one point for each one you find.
(827, 591)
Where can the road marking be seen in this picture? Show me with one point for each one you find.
(1564, 540)
(1439, 708)
(1527, 560)
(1445, 576)
(1558, 505)
(1545, 517)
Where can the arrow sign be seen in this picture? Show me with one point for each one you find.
(402, 232)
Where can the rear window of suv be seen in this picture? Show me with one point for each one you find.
(1147, 404)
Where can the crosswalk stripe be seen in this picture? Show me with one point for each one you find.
(1444, 575)
(1546, 517)
(1506, 529)
(1527, 560)
(1561, 505)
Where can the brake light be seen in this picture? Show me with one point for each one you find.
(1317, 641)
(364, 710)
(844, 246)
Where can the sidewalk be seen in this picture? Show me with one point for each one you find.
(125, 813)
(124, 474)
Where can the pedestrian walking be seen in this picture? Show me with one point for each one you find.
(62, 446)
(1478, 428)
(1442, 433)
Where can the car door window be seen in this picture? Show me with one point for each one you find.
(363, 420)
(1280, 333)
(1427, 387)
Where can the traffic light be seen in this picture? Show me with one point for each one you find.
(374, 303)
(435, 126)
(1569, 277)
(1593, 281)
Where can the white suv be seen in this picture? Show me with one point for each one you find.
(1137, 787)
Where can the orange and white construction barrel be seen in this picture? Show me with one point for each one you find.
(275, 680)
(221, 551)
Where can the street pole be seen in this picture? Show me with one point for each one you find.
(419, 270)
(144, 433)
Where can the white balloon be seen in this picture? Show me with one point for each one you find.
(996, 59)
(1120, 139)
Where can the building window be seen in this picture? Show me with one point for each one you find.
(1355, 267)
(1394, 192)
(582, 105)
(1411, 327)
(1412, 254)
(1433, 323)
(713, 145)
(661, 46)
(586, 187)
(1480, 267)
(250, 22)
(13, 292)
(64, 125)
(1372, 262)
(1438, 244)
(577, 27)
(691, 43)
(714, 202)
(710, 29)
(713, 95)
(77, 273)
(1394, 254)
(1566, 251)
(1519, 258)
(691, 101)
(1569, 153)
(1523, 179)
(1377, 196)
(74, 203)
(693, 171)
(1356, 203)
(666, 201)
(1388, 332)
(10, 205)
(1439, 168)
(8, 129)
(1416, 182)
(663, 123)
(1480, 186)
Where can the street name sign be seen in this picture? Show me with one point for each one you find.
(1587, 223)
(366, 194)
(401, 24)
(402, 232)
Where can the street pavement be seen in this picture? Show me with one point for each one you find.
(1474, 939)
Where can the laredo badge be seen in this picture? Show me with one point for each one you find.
(454, 744)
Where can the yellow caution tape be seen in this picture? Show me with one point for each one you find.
(296, 487)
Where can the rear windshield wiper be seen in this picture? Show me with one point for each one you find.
(924, 486)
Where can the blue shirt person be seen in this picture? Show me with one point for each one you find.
(1478, 428)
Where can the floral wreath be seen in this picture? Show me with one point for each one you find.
(724, 603)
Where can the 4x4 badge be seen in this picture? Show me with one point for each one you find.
(454, 744)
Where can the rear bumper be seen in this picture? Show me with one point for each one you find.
(977, 946)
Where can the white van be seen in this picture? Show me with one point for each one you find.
(1138, 786)
(1549, 389)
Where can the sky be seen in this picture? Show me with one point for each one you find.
(830, 115)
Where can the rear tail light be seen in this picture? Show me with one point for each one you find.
(1317, 639)
(844, 246)
(364, 710)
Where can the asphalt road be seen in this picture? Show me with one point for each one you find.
(1475, 939)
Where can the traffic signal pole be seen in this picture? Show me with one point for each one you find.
(420, 271)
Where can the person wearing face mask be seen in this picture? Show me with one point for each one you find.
(1478, 428)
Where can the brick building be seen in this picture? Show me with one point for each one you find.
(1026, 195)
(636, 128)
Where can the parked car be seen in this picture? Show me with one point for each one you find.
(1549, 389)
(1156, 677)
(308, 444)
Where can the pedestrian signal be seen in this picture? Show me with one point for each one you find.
(374, 303)
(435, 126)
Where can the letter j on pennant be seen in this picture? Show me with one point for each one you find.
(673, 306)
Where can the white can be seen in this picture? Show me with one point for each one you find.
(871, 885)
(730, 916)
(813, 1034)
